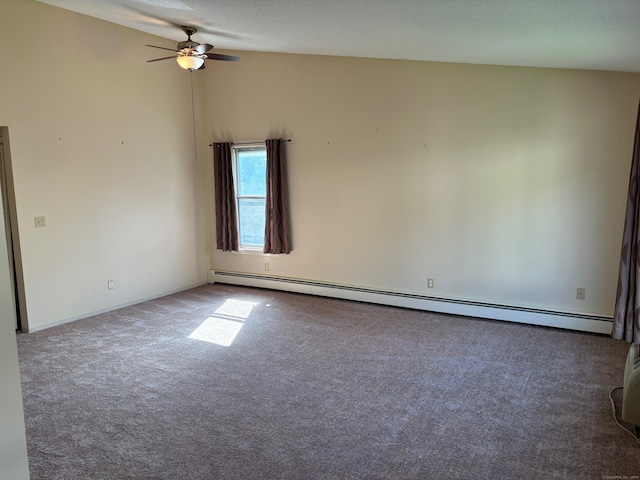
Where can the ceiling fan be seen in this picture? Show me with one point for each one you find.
(191, 55)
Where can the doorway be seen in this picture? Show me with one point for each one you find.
(11, 229)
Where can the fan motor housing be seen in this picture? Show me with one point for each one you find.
(187, 44)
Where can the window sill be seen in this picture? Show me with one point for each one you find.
(253, 251)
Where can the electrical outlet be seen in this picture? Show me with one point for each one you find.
(110, 284)
(581, 293)
(266, 267)
(430, 283)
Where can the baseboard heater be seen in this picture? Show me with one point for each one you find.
(631, 388)
(533, 316)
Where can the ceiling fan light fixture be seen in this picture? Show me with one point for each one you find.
(191, 55)
(190, 62)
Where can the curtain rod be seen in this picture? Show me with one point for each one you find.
(253, 143)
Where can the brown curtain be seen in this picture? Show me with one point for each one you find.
(276, 231)
(626, 318)
(226, 219)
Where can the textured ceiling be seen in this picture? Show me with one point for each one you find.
(585, 34)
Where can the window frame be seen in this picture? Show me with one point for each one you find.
(235, 148)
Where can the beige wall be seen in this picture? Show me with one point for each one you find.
(102, 146)
(506, 185)
(13, 443)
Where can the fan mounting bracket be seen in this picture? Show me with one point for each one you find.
(189, 30)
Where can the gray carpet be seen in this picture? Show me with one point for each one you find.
(315, 388)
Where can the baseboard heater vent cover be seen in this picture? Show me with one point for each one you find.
(513, 313)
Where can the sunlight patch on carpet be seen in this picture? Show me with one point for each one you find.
(223, 326)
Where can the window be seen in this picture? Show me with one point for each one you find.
(250, 166)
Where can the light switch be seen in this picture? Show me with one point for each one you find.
(40, 222)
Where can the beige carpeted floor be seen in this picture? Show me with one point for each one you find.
(224, 382)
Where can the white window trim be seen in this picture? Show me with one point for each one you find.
(253, 251)
(244, 249)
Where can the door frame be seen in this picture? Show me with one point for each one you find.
(13, 237)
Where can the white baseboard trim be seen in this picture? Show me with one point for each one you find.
(533, 316)
(111, 308)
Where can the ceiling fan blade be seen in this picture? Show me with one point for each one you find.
(163, 58)
(219, 56)
(162, 48)
(203, 48)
